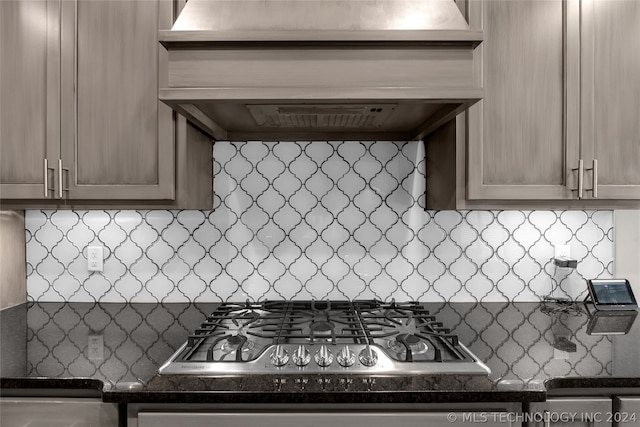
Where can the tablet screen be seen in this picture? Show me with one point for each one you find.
(612, 292)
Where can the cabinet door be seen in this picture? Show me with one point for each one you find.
(572, 412)
(525, 130)
(611, 96)
(29, 87)
(117, 138)
(628, 411)
(57, 412)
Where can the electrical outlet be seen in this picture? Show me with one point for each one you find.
(95, 349)
(95, 258)
(562, 251)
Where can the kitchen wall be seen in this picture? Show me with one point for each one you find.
(627, 247)
(13, 282)
(315, 220)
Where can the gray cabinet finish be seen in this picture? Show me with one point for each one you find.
(117, 138)
(611, 96)
(574, 412)
(525, 130)
(561, 87)
(628, 410)
(80, 109)
(57, 412)
(29, 92)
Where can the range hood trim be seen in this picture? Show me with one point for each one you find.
(172, 39)
(357, 95)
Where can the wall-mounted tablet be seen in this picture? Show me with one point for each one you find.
(611, 294)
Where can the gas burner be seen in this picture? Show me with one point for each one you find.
(232, 343)
(416, 345)
(407, 339)
(320, 306)
(244, 318)
(321, 327)
(236, 345)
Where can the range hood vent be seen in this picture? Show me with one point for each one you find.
(320, 69)
(321, 116)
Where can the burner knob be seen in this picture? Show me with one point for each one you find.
(279, 357)
(368, 357)
(324, 357)
(301, 356)
(346, 357)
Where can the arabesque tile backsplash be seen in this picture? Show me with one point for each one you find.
(301, 220)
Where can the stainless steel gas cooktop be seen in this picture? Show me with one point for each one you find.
(324, 337)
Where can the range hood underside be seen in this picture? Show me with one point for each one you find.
(229, 120)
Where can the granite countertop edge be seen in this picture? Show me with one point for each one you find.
(40, 386)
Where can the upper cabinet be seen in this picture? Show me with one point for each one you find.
(560, 115)
(117, 137)
(611, 97)
(92, 128)
(29, 89)
(525, 131)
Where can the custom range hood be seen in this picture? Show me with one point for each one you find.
(320, 69)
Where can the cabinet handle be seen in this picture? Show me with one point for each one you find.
(60, 179)
(594, 179)
(580, 170)
(46, 178)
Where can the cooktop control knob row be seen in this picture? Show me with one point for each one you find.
(279, 356)
(368, 357)
(324, 357)
(301, 356)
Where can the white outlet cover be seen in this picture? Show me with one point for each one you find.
(562, 251)
(95, 258)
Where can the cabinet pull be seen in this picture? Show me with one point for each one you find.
(60, 179)
(46, 178)
(594, 179)
(580, 170)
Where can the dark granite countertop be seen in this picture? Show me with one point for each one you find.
(531, 349)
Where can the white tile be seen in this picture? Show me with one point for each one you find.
(315, 220)
(287, 184)
(350, 287)
(286, 151)
(128, 252)
(48, 235)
